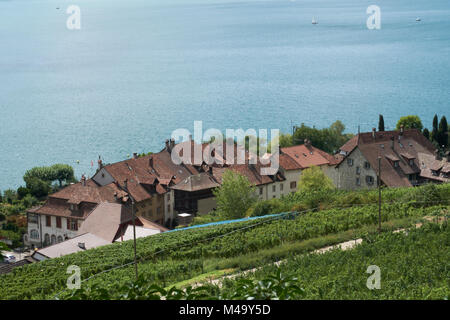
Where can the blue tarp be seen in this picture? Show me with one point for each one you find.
(232, 221)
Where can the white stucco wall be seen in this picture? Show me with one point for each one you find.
(53, 230)
(344, 176)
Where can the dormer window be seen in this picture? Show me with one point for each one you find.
(396, 164)
(411, 162)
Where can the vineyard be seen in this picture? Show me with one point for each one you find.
(168, 258)
(413, 265)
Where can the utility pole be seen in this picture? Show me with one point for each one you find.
(379, 194)
(134, 236)
(133, 217)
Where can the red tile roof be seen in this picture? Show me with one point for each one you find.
(308, 156)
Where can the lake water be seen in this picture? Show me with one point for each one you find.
(138, 69)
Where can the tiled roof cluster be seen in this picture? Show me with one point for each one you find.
(146, 176)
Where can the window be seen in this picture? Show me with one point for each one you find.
(53, 239)
(411, 162)
(350, 162)
(168, 208)
(366, 165)
(396, 164)
(274, 188)
(48, 221)
(72, 224)
(281, 186)
(46, 239)
(33, 218)
(168, 197)
(58, 222)
(260, 191)
(34, 234)
(369, 180)
(358, 181)
(60, 239)
(358, 170)
(293, 184)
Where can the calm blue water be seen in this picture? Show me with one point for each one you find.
(139, 69)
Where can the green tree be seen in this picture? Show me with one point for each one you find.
(442, 133)
(9, 196)
(38, 188)
(327, 139)
(63, 172)
(314, 179)
(426, 133)
(410, 122)
(235, 196)
(3, 247)
(434, 131)
(381, 123)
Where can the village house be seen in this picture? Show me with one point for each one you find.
(160, 189)
(107, 223)
(295, 159)
(407, 159)
(64, 211)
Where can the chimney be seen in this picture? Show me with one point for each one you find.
(167, 145)
(135, 155)
(172, 143)
(307, 143)
(150, 162)
(373, 132)
(100, 163)
(81, 245)
(210, 170)
(190, 137)
(125, 184)
(392, 142)
(401, 129)
(83, 180)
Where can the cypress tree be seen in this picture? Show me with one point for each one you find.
(434, 132)
(426, 133)
(443, 132)
(381, 123)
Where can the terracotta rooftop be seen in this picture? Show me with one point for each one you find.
(307, 156)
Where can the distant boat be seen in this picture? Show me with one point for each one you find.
(314, 21)
(418, 19)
